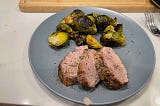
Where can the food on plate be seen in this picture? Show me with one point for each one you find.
(92, 42)
(109, 28)
(111, 69)
(68, 67)
(102, 21)
(87, 73)
(58, 39)
(85, 25)
(69, 19)
(113, 36)
(80, 39)
(92, 17)
(78, 25)
(88, 66)
(64, 28)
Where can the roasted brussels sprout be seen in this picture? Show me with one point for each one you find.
(84, 25)
(64, 27)
(76, 13)
(109, 28)
(95, 15)
(69, 19)
(119, 38)
(92, 17)
(119, 28)
(80, 28)
(80, 40)
(74, 34)
(113, 38)
(112, 21)
(58, 39)
(92, 42)
(102, 21)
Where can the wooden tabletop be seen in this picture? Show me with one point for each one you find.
(116, 5)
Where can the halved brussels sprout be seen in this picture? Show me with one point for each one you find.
(64, 27)
(76, 13)
(102, 21)
(113, 38)
(69, 19)
(84, 25)
(58, 39)
(92, 42)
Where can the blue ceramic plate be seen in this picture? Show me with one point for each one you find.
(138, 56)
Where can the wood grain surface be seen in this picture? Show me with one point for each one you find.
(116, 5)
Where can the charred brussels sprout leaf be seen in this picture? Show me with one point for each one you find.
(119, 28)
(58, 39)
(64, 27)
(92, 17)
(95, 15)
(74, 34)
(112, 21)
(80, 40)
(84, 25)
(92, 42)
(113, 38)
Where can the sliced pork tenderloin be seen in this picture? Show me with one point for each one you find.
(111, 69)
(68, 67)
(87, 73)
